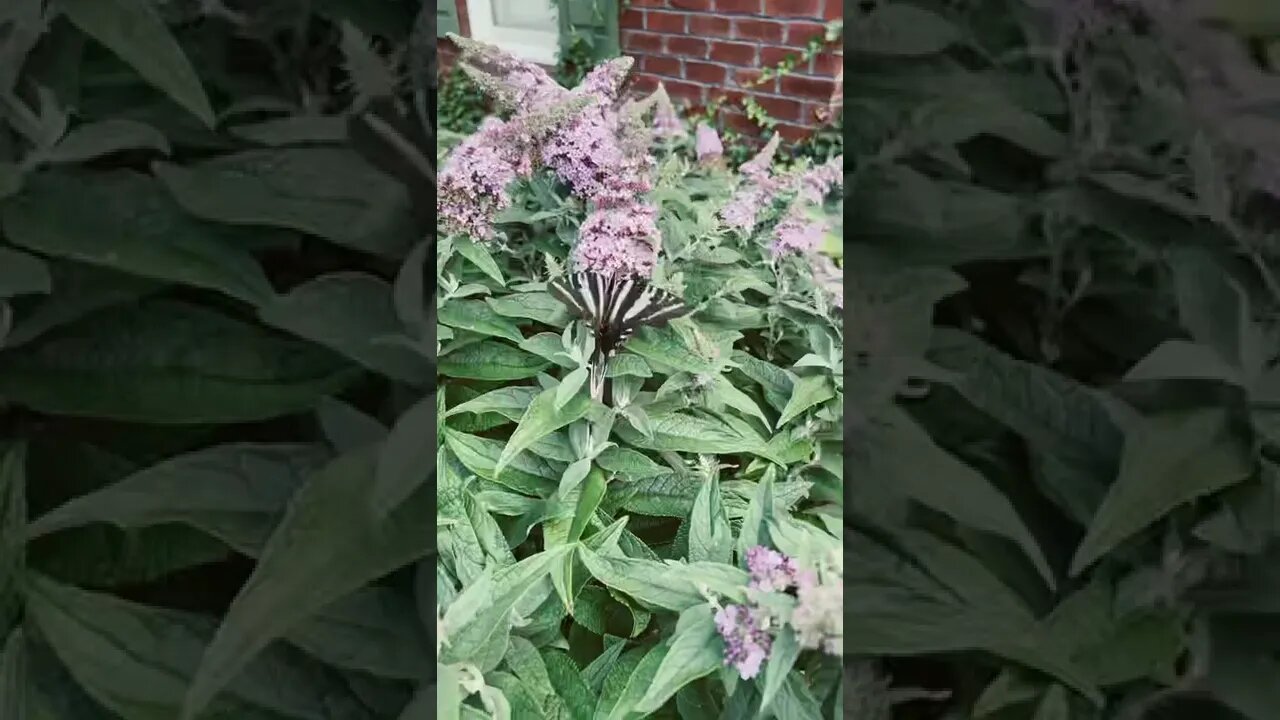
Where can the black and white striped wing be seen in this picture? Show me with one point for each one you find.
(615, 309)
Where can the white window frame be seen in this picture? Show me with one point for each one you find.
(537, 46)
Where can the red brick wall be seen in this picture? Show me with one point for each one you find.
(703, 50)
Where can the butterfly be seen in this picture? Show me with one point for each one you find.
(614, 308)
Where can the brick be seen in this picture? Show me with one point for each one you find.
(800, 32)
(834, 10)
(781, 109)
(639, 42)
(808, 87)
(771, 56)
(631, 19)
(685, 90)
(709, 26)
(668, 22)
(703, 5)
(828, 64)
(793, 8)
(738, 121)
(704, 72)
(746, 76)
(761, 30)
(648, 3)
(793, 133)
(661, 65)
(820, 113)
(739, 6)
(733, 53)
(685, 46)
(642, 83)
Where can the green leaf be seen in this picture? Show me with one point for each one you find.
(1053, 706)
(665, 585)
(352, 314)
(541, 419)
(627, 682)
(796, 700)
(94, 140)
(809, 390)
(539, 306)
(482, 611)
(480, 257)
(629, 463)
(373, 630)
(509, 401)
(478, 317)
(346, 428)
(137, 660)
(169, 363)
(1169, 459)
(11, 179)
(14, 676)
(900, 29)
(725, 391)
(490, 360)
(710, 537)
(23, 274)
(527, 473)
(13, 516)
(135, 31)
(1067, 424)
(569, 683)
(124, 221)
(666, 347)
(592, 493)
(328, 192)
(320, 552)
(235, 493)
(694, 651)
(782, 657)
(696, 433)
(404, 461)
(910, 464)
(81, 290)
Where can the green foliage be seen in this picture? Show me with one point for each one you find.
(205, 334)
(1063, 482)
(596, 538)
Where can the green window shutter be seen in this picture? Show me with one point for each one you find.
(447, 17)
(595, 21)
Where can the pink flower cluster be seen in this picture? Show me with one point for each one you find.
(579, 135)
(619, 240)
(473, 182)
(746, 643)
(587, 156)
(817, 618)
(666, 123)
(770, 570)
(706, 144)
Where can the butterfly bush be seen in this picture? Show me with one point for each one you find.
(666, 122)
(598, 149)
(707, 145)
(816, 615)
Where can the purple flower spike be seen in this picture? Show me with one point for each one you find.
(706, 143)
(619, 241)
(770, 570)
(797, 234)
(746, 644)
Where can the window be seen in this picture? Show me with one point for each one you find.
(528, 29)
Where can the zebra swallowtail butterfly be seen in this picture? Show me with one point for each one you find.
(614, 308)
